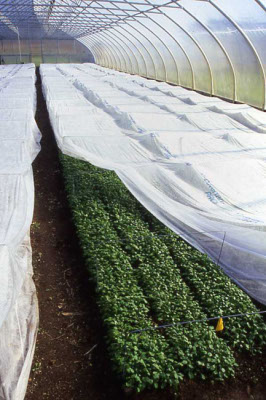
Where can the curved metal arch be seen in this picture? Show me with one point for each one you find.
(127, 55)
(260, 4)
(170, 51)
(179, 45)
(188, 60)
(118, 49)
(133, 27)
(132, 17)
(106, 53)
(136, 50)
(102, 56)
(243, 33)
(116, 64)
(147, 50)
(112, 32)
(197, 44)
(116, 57)
(95, 55)
(132, 69)
(218, 42)
(162, 58)
(95, 52)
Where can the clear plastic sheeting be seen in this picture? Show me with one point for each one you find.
(19, 139)
(215, 47)
(197, 163)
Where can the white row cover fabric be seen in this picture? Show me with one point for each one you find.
(196, 162)
(19, 145)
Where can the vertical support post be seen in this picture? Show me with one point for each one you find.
(19, 48)
(74, 53)
(58, 52)
(29, 47)
(42, 59)
(221, 249)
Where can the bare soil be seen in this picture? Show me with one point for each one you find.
(71, 360)
(69, 319)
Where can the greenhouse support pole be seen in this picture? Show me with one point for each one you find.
(128, 47)
(102, 56)
(113, 52)
(249, 42)
(217, 40)
(119, 50)
(137, 49)
(198, 46)
(144, 47)
(167, 47)
(260, 4)
(19, 48)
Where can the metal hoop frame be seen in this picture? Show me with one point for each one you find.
(101, 24)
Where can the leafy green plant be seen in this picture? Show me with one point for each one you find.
(144, 280)
(144, 359)
(216, 293)
(170, 299)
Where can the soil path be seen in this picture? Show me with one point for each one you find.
(69, 319)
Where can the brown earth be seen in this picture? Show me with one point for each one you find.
(71, 360)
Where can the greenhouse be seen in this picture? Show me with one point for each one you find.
(132, 199)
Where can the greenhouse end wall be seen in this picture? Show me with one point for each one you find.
(43, 51)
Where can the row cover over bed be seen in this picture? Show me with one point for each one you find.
(197, 163)
(19, 145)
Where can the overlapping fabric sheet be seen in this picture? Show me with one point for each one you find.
(19, 145)
(197, 163)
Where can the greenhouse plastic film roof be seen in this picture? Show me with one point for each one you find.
(212, 46)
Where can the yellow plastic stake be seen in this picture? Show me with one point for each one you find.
(220, 325)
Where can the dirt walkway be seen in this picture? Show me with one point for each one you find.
(69, 321)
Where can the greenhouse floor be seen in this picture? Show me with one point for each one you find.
(71, 361)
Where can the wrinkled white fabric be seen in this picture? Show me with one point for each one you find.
(19, 145)
(197, 163)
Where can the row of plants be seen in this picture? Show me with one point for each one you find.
(200, 352)
(215, 291)
(196, 350)
(144, 360)
(145, 276)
